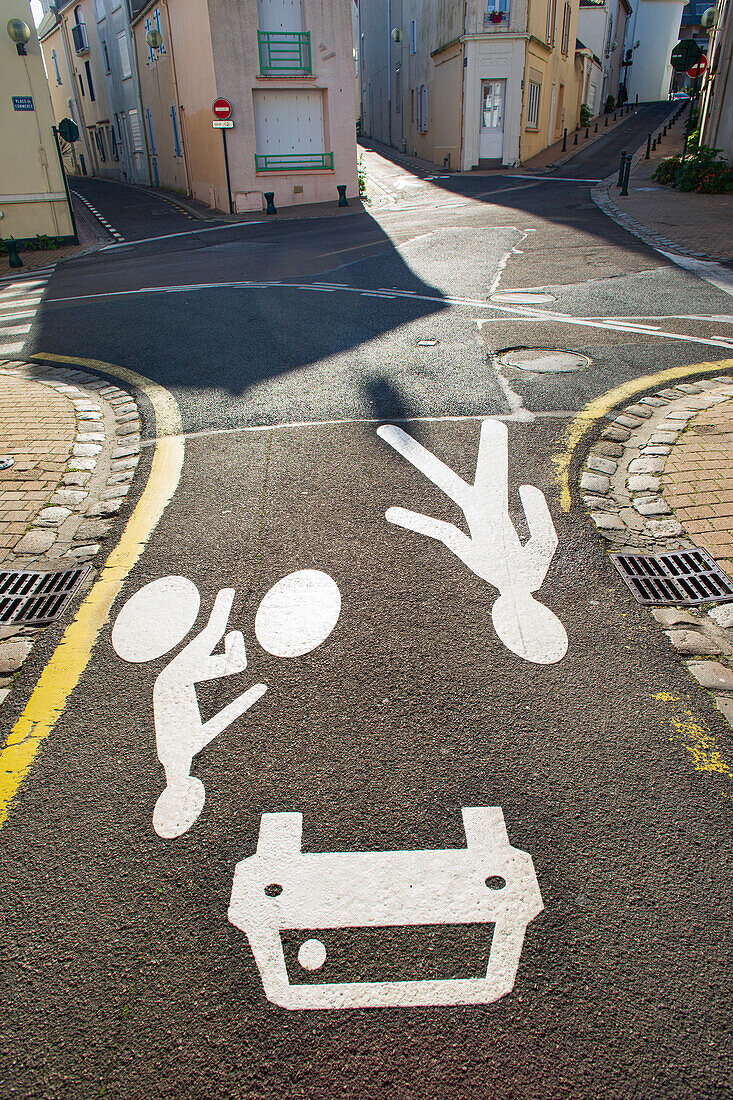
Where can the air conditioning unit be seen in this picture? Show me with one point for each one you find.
(79, 35)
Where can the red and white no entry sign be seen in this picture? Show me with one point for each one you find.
(700, 67)
(222, 108)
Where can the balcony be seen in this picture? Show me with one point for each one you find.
(496, 20)
(79, 36)
(285, 53)
(293, 162)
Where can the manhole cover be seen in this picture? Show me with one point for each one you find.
(546, 360)
(6, 463)
(687, 577)
(36, 598)
(523, 298)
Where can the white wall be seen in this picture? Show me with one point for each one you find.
(492, 58)
(655, 24)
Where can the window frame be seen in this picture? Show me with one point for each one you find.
(534, 94)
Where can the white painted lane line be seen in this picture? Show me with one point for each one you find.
(22, 288)
(13, 302)
(16, 330)
(21, 316)
(11, 349)
(716, 274)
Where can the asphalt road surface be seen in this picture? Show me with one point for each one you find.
(397, 687)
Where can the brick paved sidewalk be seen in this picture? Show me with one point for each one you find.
(38, 431)
(698, 482)
(697, 225)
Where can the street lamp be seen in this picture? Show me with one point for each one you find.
(19, 33)
(154, 38)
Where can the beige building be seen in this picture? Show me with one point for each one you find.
(33, 198)
(287, 69)
(466, 83)
(717, 107)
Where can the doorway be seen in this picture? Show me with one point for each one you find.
(491, 133)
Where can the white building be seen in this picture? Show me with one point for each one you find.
(652, 33)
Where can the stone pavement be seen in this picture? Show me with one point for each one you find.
(75, 444)
(683, 221)
(698, 482)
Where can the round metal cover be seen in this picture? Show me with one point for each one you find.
(545, 360)
(6, 463)
(523, 298)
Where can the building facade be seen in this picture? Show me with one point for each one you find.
(602, 30)
(469, 84)
(652, 32)
(88, 53)
(287, 69)
(717, 104)
(33, 198)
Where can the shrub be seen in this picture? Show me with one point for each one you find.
(585, 115)
(704, 171)
(610, 104)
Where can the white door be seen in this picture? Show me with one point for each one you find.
(280, 15)
(491, 134)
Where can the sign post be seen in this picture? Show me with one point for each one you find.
(222, 110)
(69, 131)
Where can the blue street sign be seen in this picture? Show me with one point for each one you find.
(23, 103)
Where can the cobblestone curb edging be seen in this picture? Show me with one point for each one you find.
(99, 471)
(620, 486)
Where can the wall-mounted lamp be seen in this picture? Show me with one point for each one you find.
(154, 38)
(19, 33)
(397, 35)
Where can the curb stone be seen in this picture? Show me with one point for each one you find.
(94, 484)
(629, 512)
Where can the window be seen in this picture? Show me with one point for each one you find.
(565, 40)
(113, 143)
(176, 139)
(135, 130)
(150, 131)
(289, 122)
(105, 55)
(90, 86)
(422, 108)
(99, 142)
(551, 19)
(151, 51)
(412, 104)
(156, 20)
(124, 47)
(56, 66)
(533, 105)
(81, 84)
(413, 36)
(99, 10)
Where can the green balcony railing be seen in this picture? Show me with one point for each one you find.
(285, 53)
(293, 162)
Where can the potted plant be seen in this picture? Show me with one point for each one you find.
(496, 16)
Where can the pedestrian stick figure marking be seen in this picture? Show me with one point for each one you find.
(295, 616)
(493, 550)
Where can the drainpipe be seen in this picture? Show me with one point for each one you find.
(389, 73)
(360, 59)
(461, 119)
(72, 85)
(186, 167)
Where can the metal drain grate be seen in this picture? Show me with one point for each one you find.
(685, 577)
(37, 598)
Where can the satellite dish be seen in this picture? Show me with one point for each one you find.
(397, 35)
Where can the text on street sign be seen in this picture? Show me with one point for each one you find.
(223, 124)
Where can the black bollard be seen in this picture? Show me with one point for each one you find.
(564, 140)
(606, 122)
(587, 132)
(627, 173)
(664, 132)
(14, 259)
(654, 144)
(621, 167)
(341, 188)
(575, 138)
(270, 199)
(648, 147)
(614, 116)
(595, 129)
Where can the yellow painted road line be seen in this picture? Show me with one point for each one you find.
(70, 658)
(602, 405)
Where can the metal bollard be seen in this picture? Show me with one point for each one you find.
(614, 116)
(648, 147)
(654, 144)
(627, 173)
(564, 140)
(341, 188)
(595, 129)
(606, 122)
(14, 259)
(664, 131)
(270, 200)
(587, 132)
(575, 138)
(621, 167)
